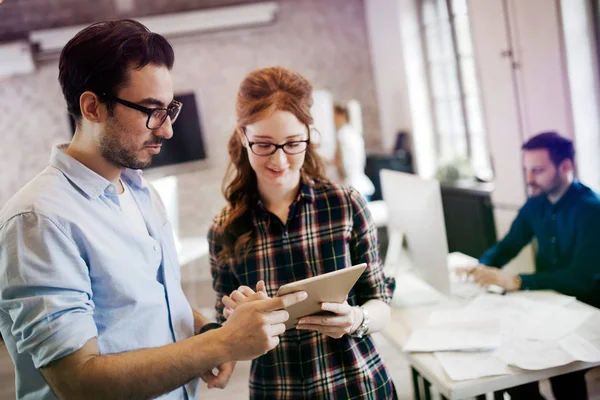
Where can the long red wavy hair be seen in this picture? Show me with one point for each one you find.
(260, 94)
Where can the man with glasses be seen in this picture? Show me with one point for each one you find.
(91, 304)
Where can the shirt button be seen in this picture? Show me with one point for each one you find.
(285, 234)
(555, 261)
(553, 217)
(155, 247)
(554, 239)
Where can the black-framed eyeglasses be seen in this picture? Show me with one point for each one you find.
(156, 116)
(267, 148)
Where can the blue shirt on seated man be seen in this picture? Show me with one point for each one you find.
(563, 216)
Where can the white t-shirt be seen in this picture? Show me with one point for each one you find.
(131, 211)
(354, 158)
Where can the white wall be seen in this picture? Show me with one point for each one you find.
(383, 27)
(400, 78)
(525, 92)
(500, 100)
(542, 75)
(554, 85)
(502, 110)
(583, 73)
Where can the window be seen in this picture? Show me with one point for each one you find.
(596, 17)
(453, 87)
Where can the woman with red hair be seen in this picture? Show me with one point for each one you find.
(285, 222)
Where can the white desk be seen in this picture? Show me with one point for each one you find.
(379, 212)
(426, 367)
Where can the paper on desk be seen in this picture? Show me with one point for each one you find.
(492, 304)
(590, 329)
(514, 314)
(483, 311)
(522, 353)
(461, 366)
(428, 340)
(560, 323)
(580, 348)
(545, 296)
(533, 354)
(463, 319)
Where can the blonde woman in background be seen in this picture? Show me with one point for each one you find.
(351, 156)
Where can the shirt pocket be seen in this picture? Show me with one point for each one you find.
(335, 251)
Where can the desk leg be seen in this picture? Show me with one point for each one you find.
(499, 395)
(427, 389)
(480, 397)
(416, 388)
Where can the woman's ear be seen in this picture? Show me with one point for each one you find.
(315, 135)
(241, 132)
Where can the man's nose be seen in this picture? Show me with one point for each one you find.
(166, 129)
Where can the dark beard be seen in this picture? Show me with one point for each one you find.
(120, 157)
(115, 151)
(555, 188)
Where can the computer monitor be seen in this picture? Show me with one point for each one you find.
(415, 209)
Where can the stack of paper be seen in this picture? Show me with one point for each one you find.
(580, 348)
(492, 333)
(427, 340)
(462, 366)
(535, 354)
(548, 327)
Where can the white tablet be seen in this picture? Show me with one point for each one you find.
(332, 287)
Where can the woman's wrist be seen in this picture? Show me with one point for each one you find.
(358, 318)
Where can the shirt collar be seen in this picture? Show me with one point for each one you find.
(91, 183)
(133, 177)
(306, 193)
(571, 193)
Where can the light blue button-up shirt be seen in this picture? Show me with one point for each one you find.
(71, 269)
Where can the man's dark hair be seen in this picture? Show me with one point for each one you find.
(98, 58)
(559, 148)
(340, 109)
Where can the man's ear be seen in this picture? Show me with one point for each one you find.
(566, 166)
(92, 108)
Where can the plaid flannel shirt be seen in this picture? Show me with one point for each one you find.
(329, 227)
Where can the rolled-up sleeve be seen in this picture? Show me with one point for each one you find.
(45, 288)
(364, 248)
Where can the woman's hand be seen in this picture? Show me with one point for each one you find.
(345, 321)
(240, 296)
(219, 377)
